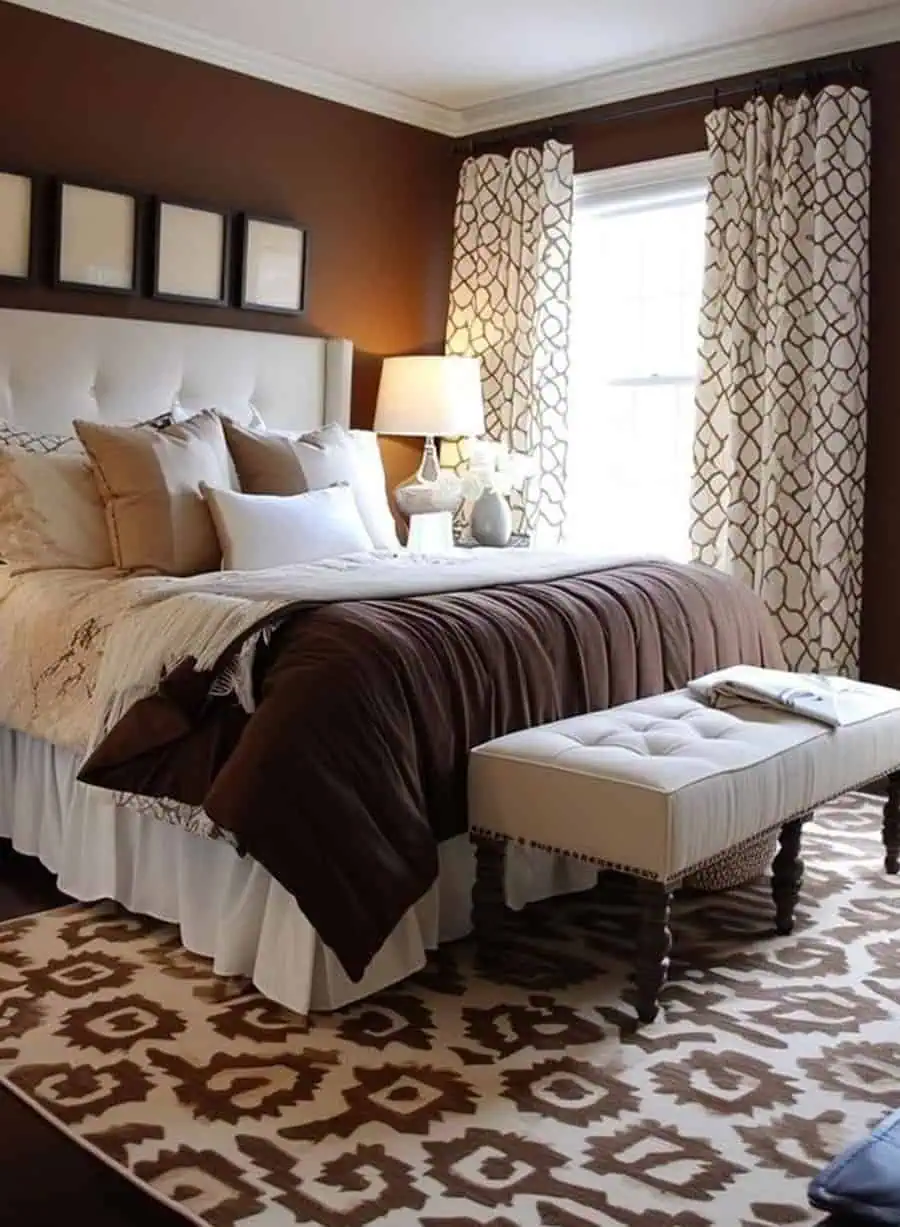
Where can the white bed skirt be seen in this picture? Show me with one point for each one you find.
(228, 908)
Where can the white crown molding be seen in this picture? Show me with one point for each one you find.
(619, 189)
(114, 18)
(639, 176)
(636, 80)
(844, 34)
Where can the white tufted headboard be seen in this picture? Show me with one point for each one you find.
(54, 368)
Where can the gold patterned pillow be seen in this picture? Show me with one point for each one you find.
(50, 512)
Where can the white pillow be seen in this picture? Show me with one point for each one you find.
(274, 530)
(374, 481)
(333, 455)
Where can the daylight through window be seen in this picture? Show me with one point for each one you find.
(638, 258)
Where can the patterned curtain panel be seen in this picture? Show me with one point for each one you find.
(779, 457)
(509, 306)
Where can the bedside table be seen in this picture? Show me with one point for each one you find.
(430, 532)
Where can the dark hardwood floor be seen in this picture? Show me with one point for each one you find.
(46, 1179)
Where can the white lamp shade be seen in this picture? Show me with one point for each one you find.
(430, 396)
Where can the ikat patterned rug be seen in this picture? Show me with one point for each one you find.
(457, 1101)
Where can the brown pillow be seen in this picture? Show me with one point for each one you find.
(266, 464)
(150, 482)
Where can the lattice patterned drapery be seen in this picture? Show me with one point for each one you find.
(509, 306)
(777, 496)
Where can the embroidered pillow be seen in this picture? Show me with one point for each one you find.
(150, 482)
(50, 512)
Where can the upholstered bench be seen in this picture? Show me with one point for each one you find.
(665, 786)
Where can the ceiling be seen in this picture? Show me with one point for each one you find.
(470, 65)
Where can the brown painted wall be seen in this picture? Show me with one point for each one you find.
(377, 196)
(664, 133)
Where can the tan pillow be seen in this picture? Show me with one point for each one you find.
(50, 511)
(150, 482)
(266, 464)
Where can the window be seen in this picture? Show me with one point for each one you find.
(637, 275)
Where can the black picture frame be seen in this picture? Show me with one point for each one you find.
(222, 298)
(249, 303)
(36, 184)
(139, 211)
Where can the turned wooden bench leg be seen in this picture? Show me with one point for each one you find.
(654, 945)
(890, 827)
(787, 874)
(489, 899)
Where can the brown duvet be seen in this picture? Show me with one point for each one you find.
(353, 766)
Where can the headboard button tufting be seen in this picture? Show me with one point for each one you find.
(55, 367)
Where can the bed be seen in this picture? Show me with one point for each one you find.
(166, 858)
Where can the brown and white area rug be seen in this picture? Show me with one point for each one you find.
(454, 1101)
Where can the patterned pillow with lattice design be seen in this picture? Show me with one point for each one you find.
(46, 444)
(36, 441)
(160, 422)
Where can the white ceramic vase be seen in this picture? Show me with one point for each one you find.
(491, 519)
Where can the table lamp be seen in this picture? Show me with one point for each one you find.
(434, 397)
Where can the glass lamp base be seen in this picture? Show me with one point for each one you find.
(430, 465)
(414, 497)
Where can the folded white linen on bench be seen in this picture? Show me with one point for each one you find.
(830, 700)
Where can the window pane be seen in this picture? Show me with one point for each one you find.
(637, 282)
(637, 277)
(630, 470)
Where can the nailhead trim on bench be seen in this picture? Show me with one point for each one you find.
(673, 881)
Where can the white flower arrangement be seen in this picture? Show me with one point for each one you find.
(490, 465)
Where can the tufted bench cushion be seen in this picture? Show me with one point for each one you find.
(667, 785)
(664, 785)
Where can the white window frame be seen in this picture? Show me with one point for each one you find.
(661, 179)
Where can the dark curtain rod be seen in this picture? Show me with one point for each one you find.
(811, 79)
